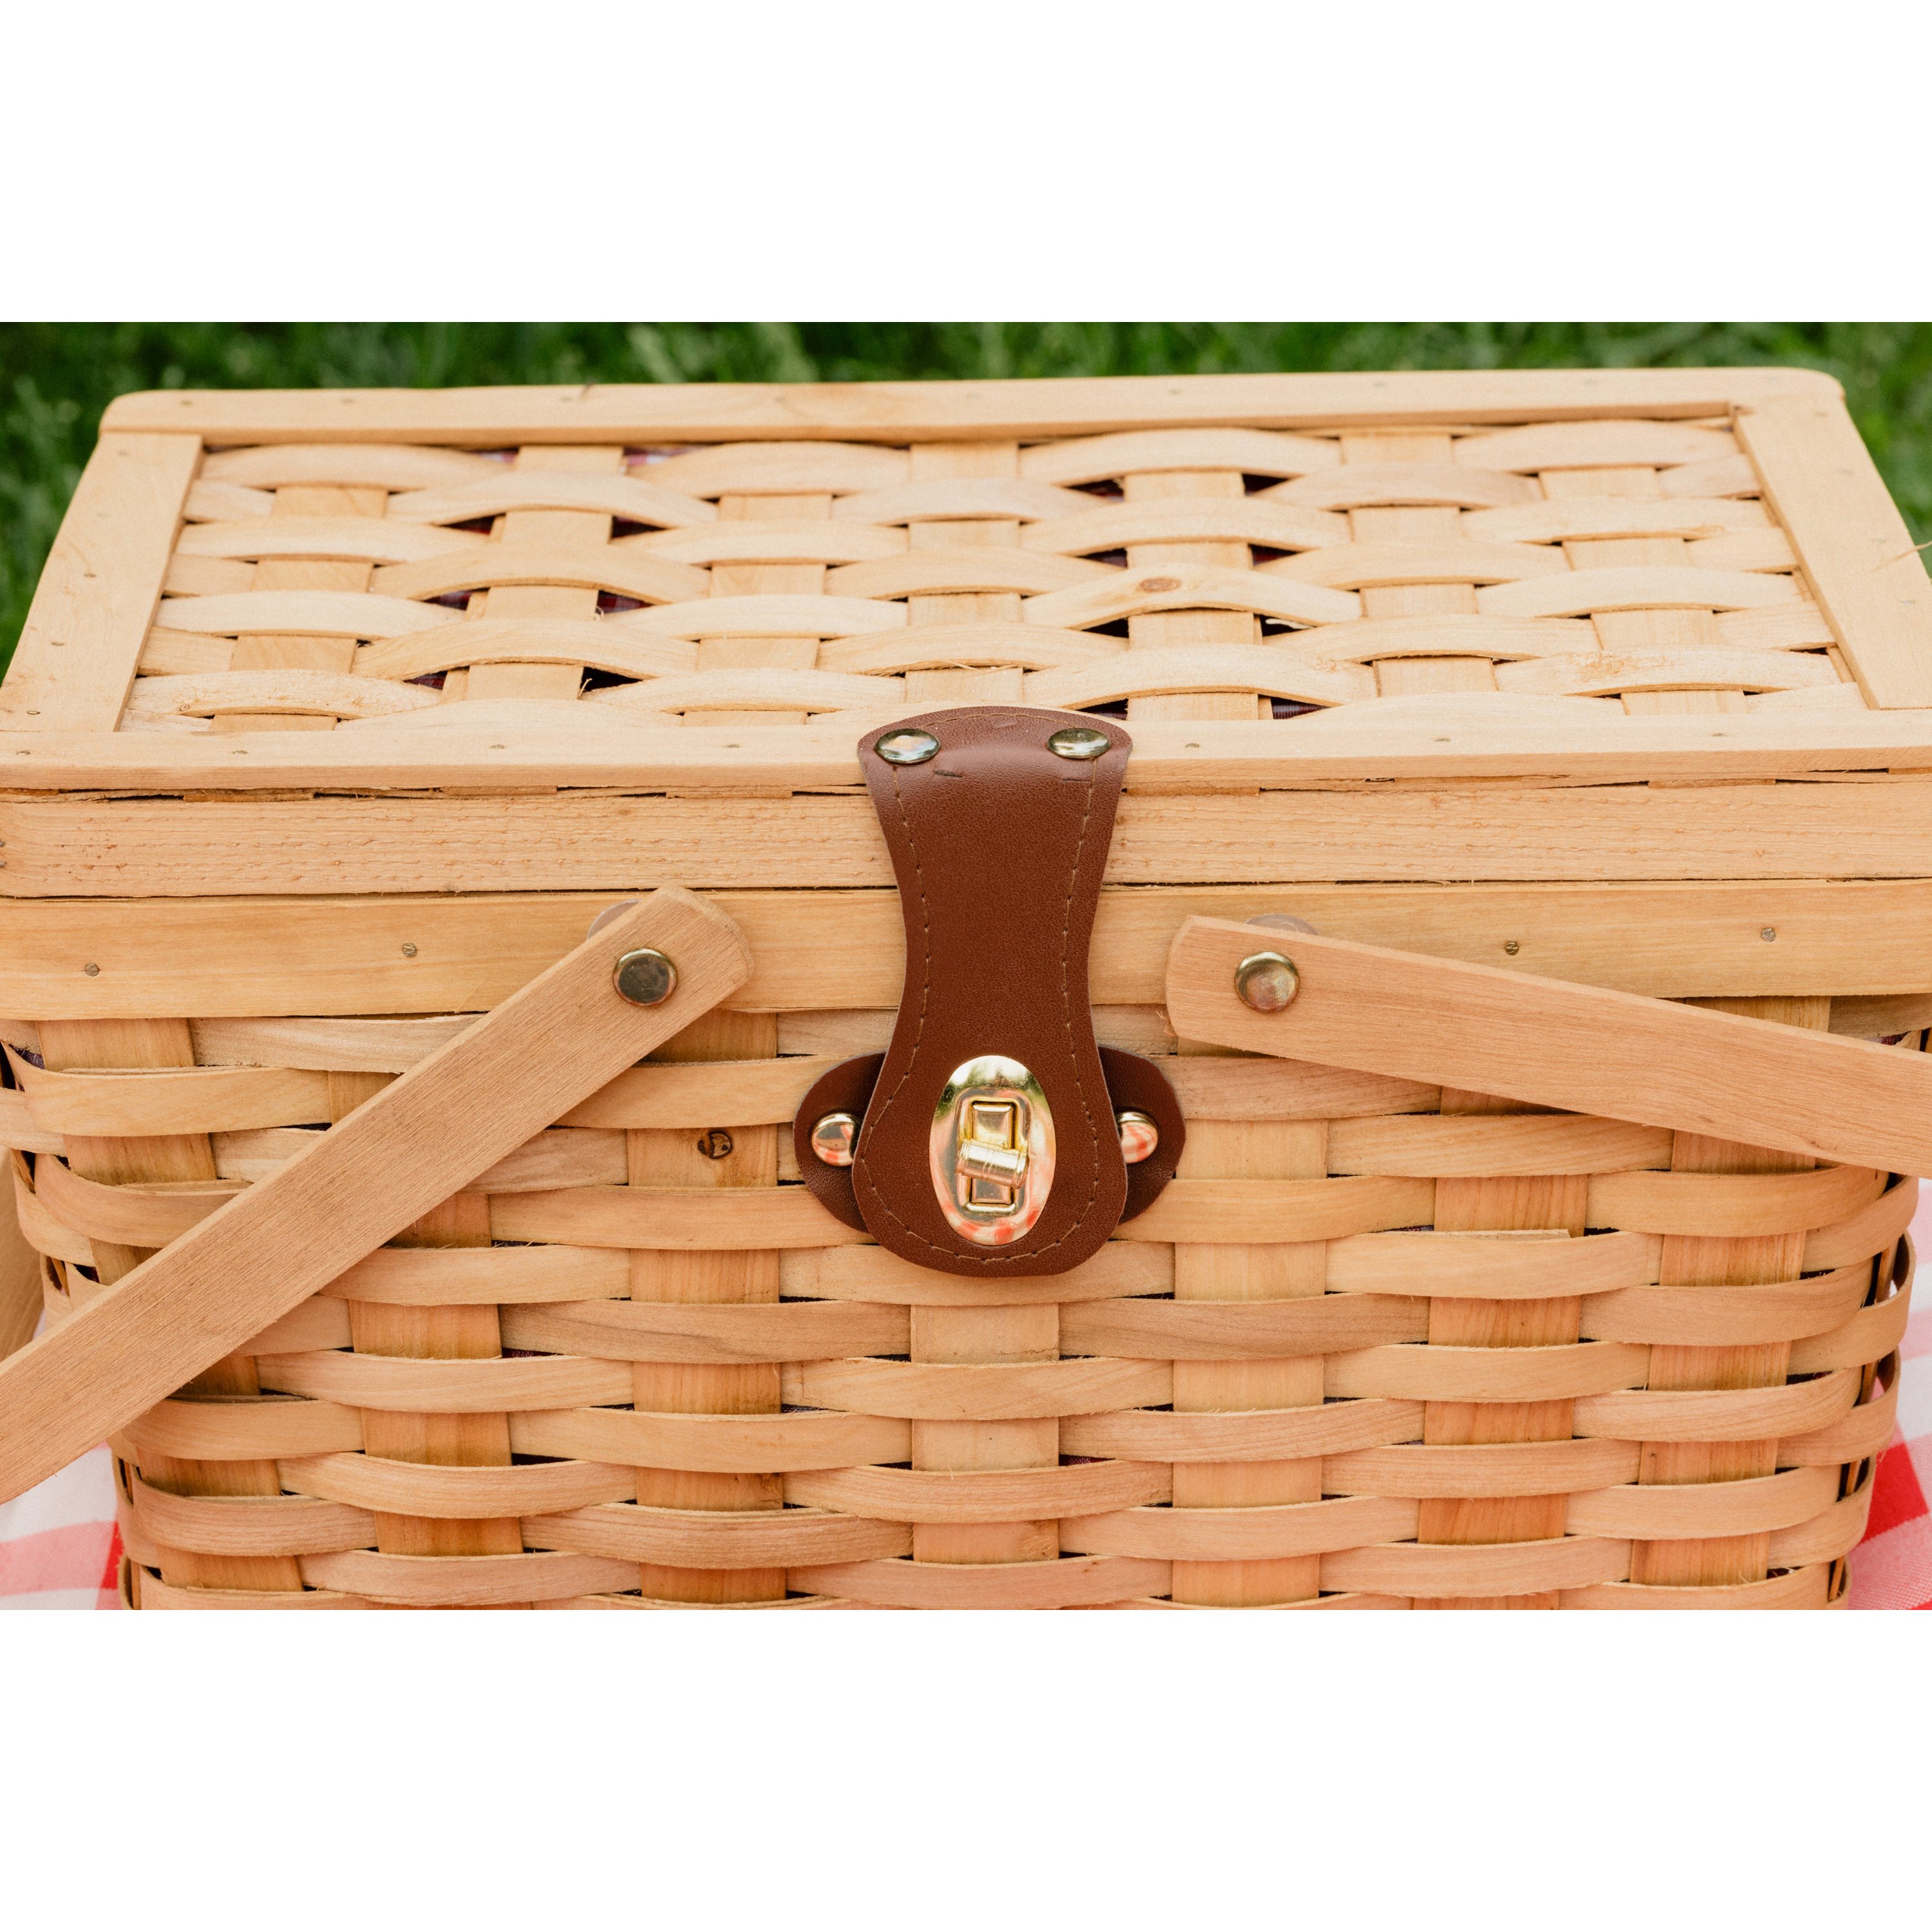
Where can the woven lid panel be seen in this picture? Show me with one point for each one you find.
(1624, 565)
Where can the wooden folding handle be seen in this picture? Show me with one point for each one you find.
(548, 1046)
(1555, 1043)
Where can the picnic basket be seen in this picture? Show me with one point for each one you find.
(1269, 991)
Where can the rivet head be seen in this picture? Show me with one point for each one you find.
(646, 977)
(834, 1138)
(1512, 947)
(1077, 741)
(92, 971)
(409, 949)
(1769, 932)
(1267, 982)
(1139, 1135)
(907, 747)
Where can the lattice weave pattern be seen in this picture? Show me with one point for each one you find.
(636, 1364)
(1624, 564)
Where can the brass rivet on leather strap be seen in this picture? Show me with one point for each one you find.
(646, 977)
(1267, 982)
(907, 747)
(1077, 742)
(833, 1138)
(1139, 1135)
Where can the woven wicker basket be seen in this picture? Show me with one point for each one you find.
(1499, 1268)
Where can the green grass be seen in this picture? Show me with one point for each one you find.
(55, 378)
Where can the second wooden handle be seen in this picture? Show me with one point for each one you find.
(1555, 1043)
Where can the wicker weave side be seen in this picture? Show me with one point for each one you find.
(1399, 1436)
(162, 1158)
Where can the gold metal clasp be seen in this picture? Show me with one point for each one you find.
(992, 1150)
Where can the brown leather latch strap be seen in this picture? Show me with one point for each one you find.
(990, 1145)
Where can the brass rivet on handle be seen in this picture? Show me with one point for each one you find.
(833, 1137)
(646, 977)
(1267, 982)
(1077, 741)
(907, 747)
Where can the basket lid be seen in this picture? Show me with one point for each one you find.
(1344, 576)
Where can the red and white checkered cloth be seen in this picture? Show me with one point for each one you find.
(59, 1547)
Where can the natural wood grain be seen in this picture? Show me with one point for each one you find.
(1538, 1040)
(897, 412)
(681, 1158)
(1718, 1557)
(364, 539)
(476, 1438)
(19, 1282)
(502, 490)
(176, 1158)
(98, 592)
(241, 959)
(1858, 554)
(1547, 446)
(1480, 737)
(546, 565)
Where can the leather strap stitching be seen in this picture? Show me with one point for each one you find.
(1066, 1021)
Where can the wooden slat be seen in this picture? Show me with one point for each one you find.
(477, 1438)
(1410, 481)
(527, 640)
(244, 846)
(366, 539)
(1389, 560)
(1481, 736)
(1548, 446)
(1132, 593)
(333, 465)
(1858, 554)
(337, 613)
(247, 959)
(904, 411)
(1699, 1258)
(553, 559)
(1554, 521)
(98, 592)
(271, 698)
(20, 1281)
(670, 1157)
(772, 540)
(176, 1158)
(503, 490)
(1209, 1277)
(1244, 520)
(1581, 591)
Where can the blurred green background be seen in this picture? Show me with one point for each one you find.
(55, 378)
